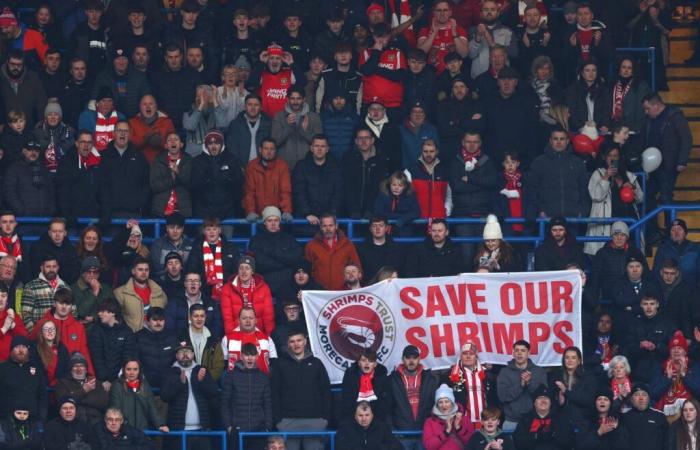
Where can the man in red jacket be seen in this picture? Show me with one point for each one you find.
(71, 331)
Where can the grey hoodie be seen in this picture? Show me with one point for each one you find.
(517, 400)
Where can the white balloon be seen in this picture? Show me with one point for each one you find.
(651, 159)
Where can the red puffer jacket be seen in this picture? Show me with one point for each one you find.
(232, 303)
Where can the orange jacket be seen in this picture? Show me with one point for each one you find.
(72, 336)
(141, 134)
(232, 303)
(265, 186)
(328, 265)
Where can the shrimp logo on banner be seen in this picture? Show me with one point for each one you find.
(352, 323)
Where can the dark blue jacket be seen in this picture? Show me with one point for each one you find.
(687, 254)
(406, 210)
(339, 126)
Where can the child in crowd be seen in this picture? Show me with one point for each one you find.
(397, 201)
(14, 136)
(510, 201)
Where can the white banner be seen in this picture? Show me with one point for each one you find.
(438, 315)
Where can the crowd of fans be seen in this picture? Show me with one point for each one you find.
(389, 110)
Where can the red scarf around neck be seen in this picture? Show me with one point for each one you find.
(614, 385)
(246, 291)
(213, 268)
(171, 206)
(134, 385)
(104, 130)
(11, 246)
(366, 388)
(619, 93)
(514, 183)
(93, 159)
(466, 156)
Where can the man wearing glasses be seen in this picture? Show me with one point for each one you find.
(125, 186)
(115, 433)
(88, 292)
(78, 181)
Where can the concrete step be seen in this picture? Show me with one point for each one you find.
(683, 31)
(690, 176)
(682, 91)
(680, 51)
(686, 194)
(681, 70)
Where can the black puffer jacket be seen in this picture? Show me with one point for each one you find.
(62, 435)
(156, 351)
(609, 268)
(11, 438)
(246, 399)
(317, 189)
(129, 438)
(23, 382)
(578, 400)
(477, 194)
(78, 188)
(351, 387)
(374, 257)
(177, 315)
(217, 185)
(557, 184)
(401, 416)
(175, 91)
(576, 96)
(658, 330)
(28, 189)
(176, 394)
(454, 117)
(125, 182)
(361, 180)
(134, 85)
(351, 436)
(648, 429)
(277, 256)
(512, 123)
(550, 256)
(426, 260)
(617, 439)
(300, 388)
(110, 348)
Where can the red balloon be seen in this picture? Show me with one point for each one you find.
(597, 142)
(583, 145)
(626, 194)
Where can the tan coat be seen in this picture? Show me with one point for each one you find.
(132, 306)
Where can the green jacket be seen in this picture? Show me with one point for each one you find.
(139, 407)
(85, 301)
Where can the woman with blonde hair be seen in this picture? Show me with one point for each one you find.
(229, 98)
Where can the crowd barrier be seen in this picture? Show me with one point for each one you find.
(330, 435)
(185, 434)
(351, 225)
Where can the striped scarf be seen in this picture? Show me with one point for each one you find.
(474, 384)
(213, 268)
(104, 130)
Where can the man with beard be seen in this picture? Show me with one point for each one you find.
(484, 36)
(10, 280)
(156, 347)
(150, 127)
(329, 252)
(90, 394)
(294, 127)
(247, 131)
(189, 391)
(559, 248)
(23, 38)
(437, 256)
(21, 380)
(412, 388)
(141, 58)
(67, 430)
(174, 240)
(55, 241)
(429, 178)
(352, 276)
(28, 186)
(271, 80)
(387, 137)
(139, 294)
(443, 36)
(21, 88)
(38, 294)
(267, 183)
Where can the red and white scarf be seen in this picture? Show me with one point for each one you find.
(615, 386)
(400, 15)
(473, 381)
(366, 391)
(11, 246)
(619, 92)
(514, 183)
(213, 268)
(93, 159)
(104, 130)
(474, 157)
(246, 291)
(171, 206)
(672, 401)
(234, 340)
